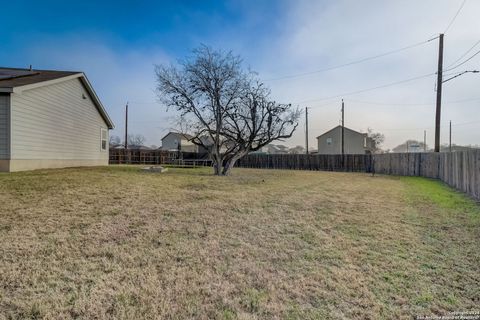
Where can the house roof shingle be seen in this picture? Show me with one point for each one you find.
(17, 77)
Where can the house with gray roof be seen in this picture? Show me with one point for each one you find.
(354, 142)
(176, 141)
(50, 119)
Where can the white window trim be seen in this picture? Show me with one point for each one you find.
(102, 130)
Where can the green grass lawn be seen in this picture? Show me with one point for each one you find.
(119, 243)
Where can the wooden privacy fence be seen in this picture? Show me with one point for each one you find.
(460, 170)
(327, 162)
(139, 156)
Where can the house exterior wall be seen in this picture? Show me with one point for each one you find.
(170, 142)
(57, 125)
(4, 126)
(354, 142)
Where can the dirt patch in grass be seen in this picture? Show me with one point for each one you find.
(119, 243)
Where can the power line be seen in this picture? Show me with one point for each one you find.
(409, 104)
(455, 17)
(370, 89)
(423, 128)
(335, 104)
(460, 74)
(352, 62)
(465, 61)
(463, 55)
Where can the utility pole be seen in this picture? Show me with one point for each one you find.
(126, 126)
(425, 140)
(439, 93)
(343, 128)
(450, 138)
(306, 129)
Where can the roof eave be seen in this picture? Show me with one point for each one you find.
(97, 101)
(83, 78)
(182, 135)
(362, 133)
(6, 90)
(19, 89)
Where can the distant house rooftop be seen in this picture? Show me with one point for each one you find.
(340, 127)
(179, 135)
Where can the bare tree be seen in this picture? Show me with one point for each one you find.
(409, 146)
(114, 141)
(377, 138)
(227, 111)
(135, 140)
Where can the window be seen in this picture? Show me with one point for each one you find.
(103, 139)
(329, 141)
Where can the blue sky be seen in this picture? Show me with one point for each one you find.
(175, 26)
(117, 44)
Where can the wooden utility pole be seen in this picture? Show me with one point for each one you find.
(343, 128)
(306, 129)
(450, 137)
(439, 93)
(425, 140)
(126, 126)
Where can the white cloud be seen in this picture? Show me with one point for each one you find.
(117, 75)
(310, 35)
(321, 34)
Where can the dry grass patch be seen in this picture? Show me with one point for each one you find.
(118, 243)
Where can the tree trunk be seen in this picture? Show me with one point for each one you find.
(230, 163)
(217, 157)
(217, 166)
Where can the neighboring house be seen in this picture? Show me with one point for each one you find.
(171, 141)
(135, 147)
(276, 149)
(281, 149)
(174, 141)
(208, 143)
(272, 149)
(50, 119)
(355, 142)
(297, 150)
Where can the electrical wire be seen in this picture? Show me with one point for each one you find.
(463, 55)
(369, 89)
(465, 61)
(352, 62)
(408, 104)
(455, 17)
(424, 128)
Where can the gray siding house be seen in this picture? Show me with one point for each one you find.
(355, 142)
(50, 119)
(174, 141)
